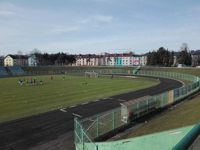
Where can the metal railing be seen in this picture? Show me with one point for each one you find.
(87, 130)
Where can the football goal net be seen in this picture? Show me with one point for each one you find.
(91, 74)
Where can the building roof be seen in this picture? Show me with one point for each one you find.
(139, 55)
(196, 52)
(109, 55)
(89, 56)
(125, 55)
(18, 56)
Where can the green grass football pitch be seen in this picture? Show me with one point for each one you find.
(20, 101)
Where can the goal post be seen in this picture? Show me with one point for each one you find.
(91, 74)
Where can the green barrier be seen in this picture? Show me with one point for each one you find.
(87, 130)
(185, 143)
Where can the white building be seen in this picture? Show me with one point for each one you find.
(32, 61)
(109, 60)
(136, 60)
(195, 57)
(16, 60)
(139, 60)
(90, 60)
(122, 59)
(126, 59)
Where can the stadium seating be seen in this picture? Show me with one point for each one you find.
(16, 71)
(3, 72)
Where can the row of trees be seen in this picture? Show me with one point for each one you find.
(59, 59)
(161, 57)
(164, 57)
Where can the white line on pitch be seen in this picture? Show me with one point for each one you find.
(96, 100)
(72, 106)
(77, 115)
(63, 110)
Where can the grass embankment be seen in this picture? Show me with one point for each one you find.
(186, 113)
(19, 101)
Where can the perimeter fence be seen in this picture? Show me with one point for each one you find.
(73, 70)
(89, 129)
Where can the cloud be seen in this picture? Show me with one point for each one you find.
(9, 9)
(102, 1)
(96, 20)
(65, 29)
(103, 18)
(6, 13)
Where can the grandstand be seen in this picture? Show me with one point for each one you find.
(3, 72)
(16, 71)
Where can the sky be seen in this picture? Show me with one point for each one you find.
(95, 26)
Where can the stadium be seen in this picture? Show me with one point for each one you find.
(99, 75)
(99, 108)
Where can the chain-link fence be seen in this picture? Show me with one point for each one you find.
(89, 129)
(74, 70)
(172, 75)
(81, 139)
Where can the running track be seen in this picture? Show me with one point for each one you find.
(54, 130)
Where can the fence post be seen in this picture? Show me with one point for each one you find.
(82, 138)
(113, 120)
(137, 110)
(97, 126)
(75, 129)
(96, 147)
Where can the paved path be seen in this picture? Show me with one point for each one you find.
(54, 130)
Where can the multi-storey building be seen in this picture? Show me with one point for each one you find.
(32, 61)
(122, 59)
(125, 59)
(16, 60)
(139, 60)
(90, 60)
(195, 57)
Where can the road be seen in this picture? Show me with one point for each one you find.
(54, 130)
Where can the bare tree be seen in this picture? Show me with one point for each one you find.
(184, 47)
(19, 52)
(184, 56)
(35, 51)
